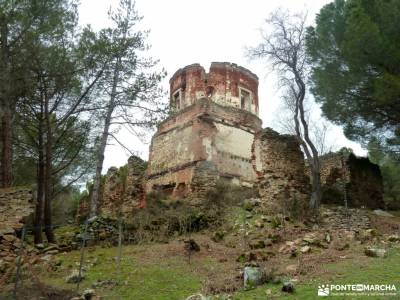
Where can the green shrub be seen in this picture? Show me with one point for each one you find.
(227, 194)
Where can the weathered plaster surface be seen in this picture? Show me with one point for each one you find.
(211, 125)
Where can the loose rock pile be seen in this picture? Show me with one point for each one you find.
(15, 206)
(338, 217)
(100, 229)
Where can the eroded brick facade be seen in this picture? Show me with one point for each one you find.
(210, 133)
(123, 188)
(360, 179)
(16, 207)
(283, 185)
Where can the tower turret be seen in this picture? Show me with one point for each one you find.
(226, 84)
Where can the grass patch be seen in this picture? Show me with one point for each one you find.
(358, 269)
(162, 272)
(137, 277)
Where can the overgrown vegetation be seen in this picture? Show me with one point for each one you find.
(164, 217)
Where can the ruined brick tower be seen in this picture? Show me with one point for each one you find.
(211, 133)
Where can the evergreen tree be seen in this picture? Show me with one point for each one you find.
(130, 86)
(355, 53)
(62, 71)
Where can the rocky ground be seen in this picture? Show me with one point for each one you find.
(287, 255)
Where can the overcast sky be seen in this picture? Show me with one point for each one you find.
(183, 32)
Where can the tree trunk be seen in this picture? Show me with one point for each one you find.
(48, 185)
(94, 201)
(316, 192)
(5, 109)
(99, 165)
(40, 186)
(6, 147)
(307, 144)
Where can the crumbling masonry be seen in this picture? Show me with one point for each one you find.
(346, 176)
(283, 184)
(123, 188)
(214, 133)
(211, 133)
(16, 206)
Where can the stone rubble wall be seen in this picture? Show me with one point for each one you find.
(366, 184)
(334, 168)
(340, 218)
(16, 205)
(205, 178)
(123, 192)
(361, 178)
(282, 181)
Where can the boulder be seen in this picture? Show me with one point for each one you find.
(198, 297)
(288, 287)
(51, 247)
(39, 246)
(74, 277)
(291, 268)
(253, 276)
(393, 238)
(290, 243)
(46, 257)
(288, 249)
(375, 252)
(89, 294)
(191, 246)
(52, 252)
(305, 249)
(382, 213)
(311, 239)
(9, 238)
(259, 223)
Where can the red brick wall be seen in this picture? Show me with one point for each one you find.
(221, 84)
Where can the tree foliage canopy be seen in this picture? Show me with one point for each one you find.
(390, 172)
(355, 54)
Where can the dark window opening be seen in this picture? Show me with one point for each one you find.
(209, 91)
(177, 99)
(181, 190)
(245, 100)
(166, 189)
